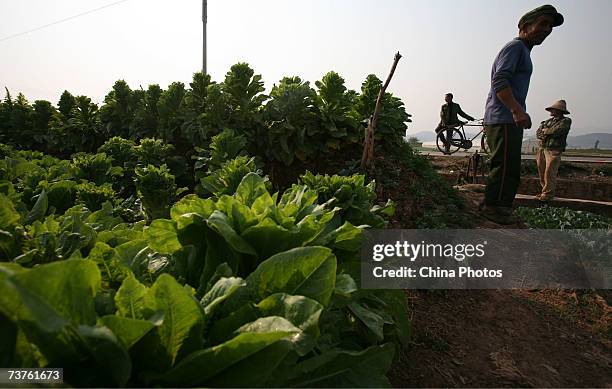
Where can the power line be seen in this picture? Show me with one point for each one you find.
(62, 20)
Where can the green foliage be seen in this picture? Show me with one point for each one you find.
(246, 282)
(291, 119)
(561, 218)
(294, 122)
(223, 147)
(96, 168)
(152, 151)
(338, 116)
(44, 116)
(170, 108)
(65, 104)
(146, 115)
(156, 189)
(197, 128)
(93, 196)
(351, 195)
(226, 179)
(391, 122)
(118, 110)
(122, 151)
(244, 96)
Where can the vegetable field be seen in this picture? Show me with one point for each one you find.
(142, 244)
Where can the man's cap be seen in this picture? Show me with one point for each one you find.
(449, 94)
(547, 9)
(559, 105)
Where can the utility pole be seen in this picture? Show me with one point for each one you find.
(204, 20)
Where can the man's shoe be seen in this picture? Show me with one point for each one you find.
(499, 215)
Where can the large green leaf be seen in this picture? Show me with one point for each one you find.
(130, 298)
(270, 324)
(301, 311)
(128, 331)
(162, 236)
(268, 238)
(250, 188)
(373, 320)
(244, 361)
(8, 340)
(223, 329)
(48, 302)
(8, 215)
(128, 251)
(220, 291)
(112, 366)
(108, 262)
(189, 206)
(219, 223)
(40, 208)
(348, 237)
(306, 271)
(218, 252)
(345, 285)
(63, 289)
(183, 321)
(341, 369)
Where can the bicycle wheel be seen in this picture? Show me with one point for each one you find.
(456, 142)
(484, 145)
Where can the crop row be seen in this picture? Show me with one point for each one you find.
(236, 287)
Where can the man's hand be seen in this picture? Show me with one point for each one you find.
(521, 119)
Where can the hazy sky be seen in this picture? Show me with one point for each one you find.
(446, 46)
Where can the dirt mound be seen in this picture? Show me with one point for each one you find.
(503, 339)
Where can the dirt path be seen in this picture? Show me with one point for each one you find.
(489, 338)
(501, 339)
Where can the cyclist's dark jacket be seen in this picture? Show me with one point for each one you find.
(449, 116)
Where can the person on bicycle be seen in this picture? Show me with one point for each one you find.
(449, 119)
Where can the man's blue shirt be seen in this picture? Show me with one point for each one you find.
(512, 67)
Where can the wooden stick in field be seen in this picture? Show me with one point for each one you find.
(368, 145)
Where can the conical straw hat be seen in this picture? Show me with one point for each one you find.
(560, 105)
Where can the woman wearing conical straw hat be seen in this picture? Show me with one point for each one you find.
(552, 140)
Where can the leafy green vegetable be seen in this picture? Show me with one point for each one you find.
(562, 218)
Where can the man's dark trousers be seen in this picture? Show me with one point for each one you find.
(505, 142)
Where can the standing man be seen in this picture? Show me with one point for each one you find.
(552, 140)
(506, 113)
(448, 118)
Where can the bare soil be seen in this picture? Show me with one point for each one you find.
(506, 338)
(489, 338)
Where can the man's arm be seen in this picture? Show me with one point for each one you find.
(463, 114)
(500, 82)
(560, 129)
(521, 118)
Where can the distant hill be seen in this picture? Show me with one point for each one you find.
(588, 141)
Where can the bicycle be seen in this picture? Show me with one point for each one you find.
(458, 139)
